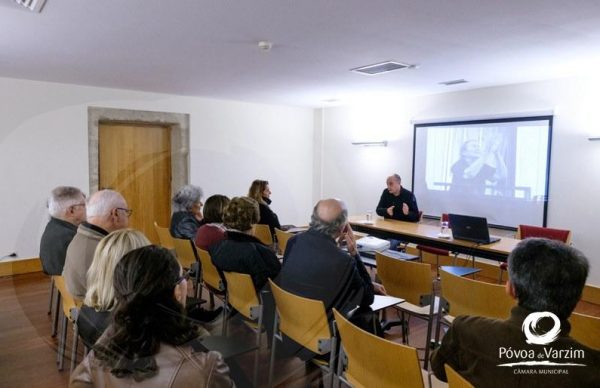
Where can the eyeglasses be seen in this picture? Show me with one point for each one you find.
(129, 212)
(184, 276)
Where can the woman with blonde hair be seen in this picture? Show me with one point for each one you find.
(100, 296)
(261, 193)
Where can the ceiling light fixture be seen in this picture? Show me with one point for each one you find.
(265, 45)
(32, 5)
(382, 67)
(382, 143)
(453, 82)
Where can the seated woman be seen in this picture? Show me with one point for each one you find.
(99, 300)
(187, 212)
(149, 341)
(240, 251)
(261, 193)
(213, 230)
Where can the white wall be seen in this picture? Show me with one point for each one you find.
(43, 144)
(358, 174)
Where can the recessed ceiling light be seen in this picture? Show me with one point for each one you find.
(331, 100)
(382, 67)
(453, 82)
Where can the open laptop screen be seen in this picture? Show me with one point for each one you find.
(470, 228)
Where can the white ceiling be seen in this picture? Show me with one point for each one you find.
(209, 48)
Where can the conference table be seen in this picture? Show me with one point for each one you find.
(418, 233)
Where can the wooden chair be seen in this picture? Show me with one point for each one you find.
(54, 307)
(472, 297)
(282, 239)
(242, 296)
(185, 250)
(263, 233)
(210, 277)
(455, 380)
(374, 361)
(70, 310)
(303, 320)
(527, 231)
(164, 236)
(412, 282)
(586, 329)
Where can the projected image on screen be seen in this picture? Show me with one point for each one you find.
(490, 168)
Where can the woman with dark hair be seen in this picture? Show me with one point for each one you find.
(149, 339)
(240, 251)
(187, 212)
(213, 230)
(261, 193)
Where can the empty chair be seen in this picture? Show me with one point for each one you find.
(210, 277)
(472, 297)
(70, 308)
(303, 320)
(585, 329)
(374, 361)
(164, 236)
(282, 239)
(263, 233)
(242, 296)
(412, 282)
(527, 231)
(185, 251)
(455, 380)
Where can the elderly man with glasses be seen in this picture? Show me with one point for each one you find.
(106, 212)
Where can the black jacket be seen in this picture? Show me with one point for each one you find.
(53, 246)
(184, 225)
(91, 324)
(242, 253)
(387, 199)
(267, 216)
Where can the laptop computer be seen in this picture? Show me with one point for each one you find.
(471, 229)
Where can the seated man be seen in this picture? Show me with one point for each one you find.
(396, 202)
(546, 277)
(67, 210)
(315, 267)
(106, 212)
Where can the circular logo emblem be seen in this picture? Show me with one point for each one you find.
(530, 328)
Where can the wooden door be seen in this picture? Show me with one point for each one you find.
(135, 160)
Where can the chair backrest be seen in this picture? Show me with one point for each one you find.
(164, 236)
(242, 295)
(69, 304)
(185, 251)
(210, 274)
(472, 297)
(282, 239)
(263, 233)
(302, 319)
(525, 231)
(591, 294)
(585, 329)
(404, 279)
(377, 362)
(455, 380)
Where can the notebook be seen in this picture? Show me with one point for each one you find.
(471, 229)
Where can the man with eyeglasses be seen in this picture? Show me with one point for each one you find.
(107, 211)
(66, 207)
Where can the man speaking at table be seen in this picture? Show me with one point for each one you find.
(397, 203)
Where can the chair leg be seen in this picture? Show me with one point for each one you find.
(501, 271)
(62, 344)
(211, 298)
(74, 347)
(56, 312)
(273, 346)
(51, 295)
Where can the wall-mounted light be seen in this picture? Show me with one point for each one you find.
(371, 143)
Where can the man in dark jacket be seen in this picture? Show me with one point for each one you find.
(66, 207)
(315, 267)
(396, 202)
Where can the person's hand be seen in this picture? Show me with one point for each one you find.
(379, 289)
(348, 237)
(390, 210)
(405, 209)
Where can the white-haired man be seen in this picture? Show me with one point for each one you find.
(106, 212)
(66, 207)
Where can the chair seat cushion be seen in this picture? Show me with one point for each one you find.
(432, 250)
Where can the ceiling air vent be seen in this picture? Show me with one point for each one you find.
(382, 67)
(33, 5)
(454, 82)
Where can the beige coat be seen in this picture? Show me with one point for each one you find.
(178, 366)
(78, 260)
